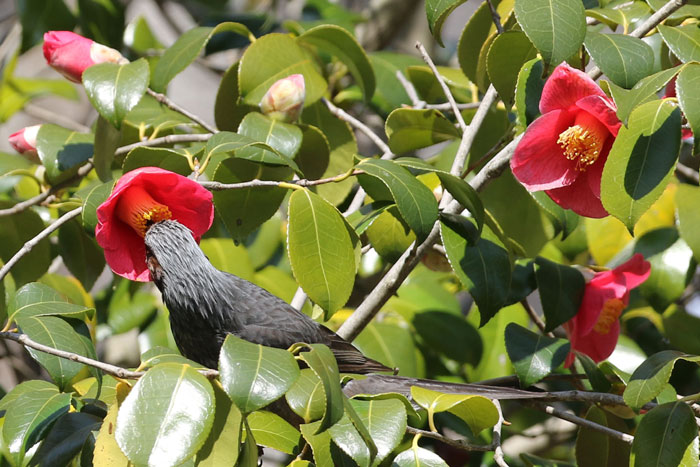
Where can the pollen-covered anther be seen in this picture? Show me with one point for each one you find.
(580, 145)
(612, 309)
(139, 210)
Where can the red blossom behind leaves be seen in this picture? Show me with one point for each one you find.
(141, 197)
(564, 151)
(596, 327)
(70, 53)
(24, 142)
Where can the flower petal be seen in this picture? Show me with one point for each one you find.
(579, 198)
(598, 346)
(603, 109)
(539, 162)
(565, 87)
(635, 271)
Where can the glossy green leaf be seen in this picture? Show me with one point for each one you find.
(410, 129)
(228, 111)
(557, 28)
(320, 250)
(16, 230)
(484, 268)
(271, 58)
(254, 375)
(92, 199)
(258, 151)
(37, 299)
(477, 411)
(116, 89)
(346, 437)
(66, 438)
(687, 201)
(244, 210)
(386, 421)
(186, 49)
(107, 139)
(465, 195)
(321, 360)
(689, 79)
(338, 42)
(644, 91)
(33, 408)
(450, 335)
(389, 234)
(273, 431)
(314, 154)
(223, 444)
(663, 435)
(596, 449)
(284, 137)
(534, 356)
(167, 416)
(429, 88)
(325, 451)
(418, 456)
(306, 397)
(415, 201)
(81, 254)
(528, 90)
(620, 14)
(649, 379)
(437, 11)
(169, 159)
(561, 290)
(507, 54)
(684, 41)
(62, 151)
(392, 345)
(623, 59)
(641, 161)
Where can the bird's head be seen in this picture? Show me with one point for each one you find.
(141, 200)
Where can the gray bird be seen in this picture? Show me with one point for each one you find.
(206, 305)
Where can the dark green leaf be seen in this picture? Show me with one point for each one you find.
(102, 20)
(623, 59)
(663, 435)
(450, 335)
(107, 139)
(62, 151)
(507, 54)
(392, 345)
(689, 79)
(528, 90)
(644, 91)
(437, 11)
(258, 151)
(39, 16)
(314, 154)
(563, 220)
(254, 375)
(534, 356)
(346, 437)
(66, 438)
(284, 137)
(320, 359)
(410, 129)
(228, 111)
(684, 41)
(81, 254)
(223, 444)
(92, 200)
(306, 397)
(41, 300)
(561, 290)
(16, 230)
(465, 195)
(596, 449)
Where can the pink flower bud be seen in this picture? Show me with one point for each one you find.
(285, 99)
(24, 142)
(70, 54)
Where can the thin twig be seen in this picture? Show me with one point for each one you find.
(410, 89)
(443, 85)
(498, 456)
(448, 106)
(624, 437)
(535, 317)
(38, 199)
(299, 299)
(163, 99)
(687, 172)
(39, 237)
(218, 186)
(496, 17)
(169, 139)
(654, 20)
(107, 368)
(455, 443)
(346, 117)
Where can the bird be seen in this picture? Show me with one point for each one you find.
(207, 304)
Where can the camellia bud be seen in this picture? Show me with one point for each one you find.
(70, 54)
(24, 142)
(285, 99)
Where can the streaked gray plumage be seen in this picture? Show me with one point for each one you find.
(206, 304)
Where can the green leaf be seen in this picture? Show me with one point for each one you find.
(107, 140)
(66, 438)
(649, 379)
(429, 88)
(226, 256)
(96, 196)
(410, 129)
(689, 79)
(465, 195)
(561, 290)
(284, 137)
(244, 210)
(116, 89)
(81, 254)
(306, 397)
(346, 437)
(507, 54)
(687, 200)
(596, 449)
(16, 230)
(254, 375)
(271, 58)
(102, 21)
(392, 345)
(623, 59)
(450, 335)
(69, 335)
(681, 328)
(38, 16)
(169, 159)
(414, 200)
(326, 452)
(186, 49)
(534, 356)
(389, 93)
(31, 409)
(557, 28)
(684, 41)
(226, 142)
(641, 161)
(320, 250)
(389, 234)
(314, 154)
(663, 435)
(37, 299)
(418, 456)
(477, 411)
(437, 11)
(484, 268)
(167, 416)
(528, 91)
(321, 360)
(336, 41)
(644, 91)
(273, 431)
(228, 111)
(224, 441)
(62, 151)
(386, 421)
(563, 220)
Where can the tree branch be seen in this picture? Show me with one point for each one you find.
(624, 437)
(39, 237)
(163, 99)
(218, 186)
(346, 117)
(498, 455)
(170, 139)
(455, 443)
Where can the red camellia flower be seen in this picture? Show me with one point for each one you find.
(70, 53)
(24, 142)
(143, 197)
(564, 150)
(670, 91)
(595, 328)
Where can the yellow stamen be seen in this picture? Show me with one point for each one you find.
(612, 309)
(138, 209)
(583, 142)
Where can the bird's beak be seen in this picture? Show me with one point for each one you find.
(139, 210)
